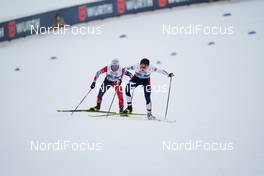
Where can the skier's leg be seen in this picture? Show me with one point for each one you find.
(147, 93)
(129, 89)
(104, 87)
(119, 92)
(132, 84)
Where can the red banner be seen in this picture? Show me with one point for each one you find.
(12, 28)
(121, 6)
(82, 13)
(163, 3)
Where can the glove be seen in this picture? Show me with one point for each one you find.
(92, 85)
(118, 82)
(171, 75)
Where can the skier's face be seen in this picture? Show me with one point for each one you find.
(143, 67)
(114, 67)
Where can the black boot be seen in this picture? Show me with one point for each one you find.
(128, 110)
(121, 111)
(150, 116)
(96, 108)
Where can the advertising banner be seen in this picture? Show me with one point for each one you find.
(83, 13)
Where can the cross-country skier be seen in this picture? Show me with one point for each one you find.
(143, 71)
(114, 74)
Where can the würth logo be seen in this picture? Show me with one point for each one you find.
(121, 6)
(82, 13)
(12, 28)
(162, 3)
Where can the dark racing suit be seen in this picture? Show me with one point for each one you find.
(141, 78)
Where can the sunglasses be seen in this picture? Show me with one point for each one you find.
(115, 67)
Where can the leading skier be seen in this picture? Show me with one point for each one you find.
(114, 74)
(143, 71)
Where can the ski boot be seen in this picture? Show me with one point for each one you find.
(121, 110)
(96, 108)
(122, 113)
(150, 116)
(128, 110)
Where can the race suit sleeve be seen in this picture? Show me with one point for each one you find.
(101, 71)
(132, 67)
(161, 71)
(127, 73)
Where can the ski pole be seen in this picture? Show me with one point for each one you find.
(108, 112)
(81, 101)
(168, 99)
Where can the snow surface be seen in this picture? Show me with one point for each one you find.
(217, 96)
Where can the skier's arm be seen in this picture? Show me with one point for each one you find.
(101, 71)
(161, 71)
(132, 67)
(127, 73)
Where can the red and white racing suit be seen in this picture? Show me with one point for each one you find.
(112, 79)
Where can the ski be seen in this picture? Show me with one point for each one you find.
(114, 114)
(82, 110)
(133, 115)
(167, 121)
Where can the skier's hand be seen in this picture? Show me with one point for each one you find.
(118, 82)
(92, 85)
(171, 75)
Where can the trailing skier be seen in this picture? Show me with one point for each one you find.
(143, 71)
(114, 75)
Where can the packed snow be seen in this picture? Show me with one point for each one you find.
(217, 96)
